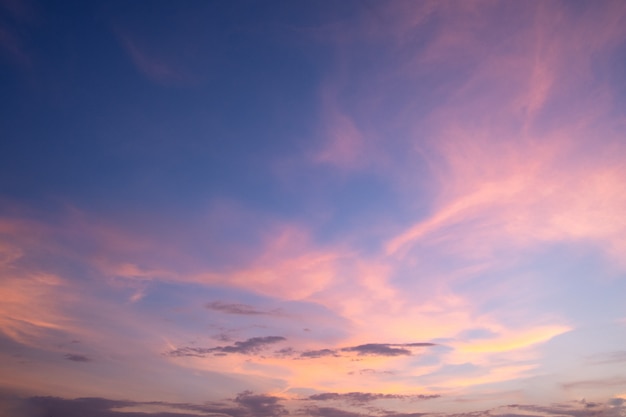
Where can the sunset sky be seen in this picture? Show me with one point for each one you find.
(312, 208)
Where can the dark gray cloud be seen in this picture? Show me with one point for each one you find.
(241, 309)
(246, 404)
(315, 411)
(474, 414)
(318, 353)
(417, 344)
(249, 346)
(519, 415)
(92, 407)
(256, 344)
(261, 405)
(76, 357)
(252, 345)
(328, 412)
(368, 349)
(385, 349)
(365, 397)
(575, 409)
(377, 349)
(249, 404)
(190, 351)
(285, 352)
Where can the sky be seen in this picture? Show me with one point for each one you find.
(313, 208)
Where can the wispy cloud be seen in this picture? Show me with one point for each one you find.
(368, 349)
(17, 25)
(250, 346)
(246, 404)
(241, 309)
(255, 345)
(77, 358)
(573, 409)
(608, 358)
(385, 349)
(155, 67)
(313, 354)
(329, 412)
(261, 405)
(366, 397)
(617, 381)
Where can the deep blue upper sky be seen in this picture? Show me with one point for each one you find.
(232, 84)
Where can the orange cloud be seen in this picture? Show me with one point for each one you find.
(288, 267)
(30, 307)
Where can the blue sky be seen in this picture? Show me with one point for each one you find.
(329, 209)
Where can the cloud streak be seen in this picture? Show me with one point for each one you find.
(241, 309)
(366, 397)
(384, 349)
(368, 349)
(254, 345)
(76, 357)
(248, 404)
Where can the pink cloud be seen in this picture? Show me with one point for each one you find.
(507, 178)
(344, 144)
(174, 60)
(287, 267)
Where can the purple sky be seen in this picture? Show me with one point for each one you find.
(313, 208)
